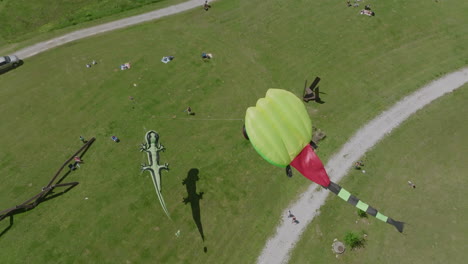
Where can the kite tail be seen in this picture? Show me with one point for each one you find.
(348, 197)
(158, 193)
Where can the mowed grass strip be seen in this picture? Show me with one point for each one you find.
(53, 99)
(427, 150)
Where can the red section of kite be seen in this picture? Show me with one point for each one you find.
(309, 165)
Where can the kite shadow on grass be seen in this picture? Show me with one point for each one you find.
(50, 195)
(194, 198)
(318, 99)
(48, 191)
(313, 92)
(8, 227)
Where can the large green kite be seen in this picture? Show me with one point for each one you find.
(280, 130)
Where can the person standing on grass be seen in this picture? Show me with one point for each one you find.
(206, 6)
(82, 139)
(72, 167)
(358, 165)
(188, 110)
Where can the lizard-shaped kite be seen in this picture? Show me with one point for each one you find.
(152, 147)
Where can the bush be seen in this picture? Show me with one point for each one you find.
(362, 213)
(353, 240)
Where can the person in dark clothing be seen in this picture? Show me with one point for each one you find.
(206, 6)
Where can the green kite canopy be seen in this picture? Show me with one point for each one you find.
(278, 127)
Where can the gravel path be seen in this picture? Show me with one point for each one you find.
(278, 247)
(87, 32)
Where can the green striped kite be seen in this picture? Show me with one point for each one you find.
(280, 130)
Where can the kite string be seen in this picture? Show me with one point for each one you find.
(202, 119)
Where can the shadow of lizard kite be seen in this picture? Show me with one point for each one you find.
(194, 198)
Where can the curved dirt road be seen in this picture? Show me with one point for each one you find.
(278, 247)
(87, 32)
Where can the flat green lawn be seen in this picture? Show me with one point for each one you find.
(366, 64)
(429, 150)
(27, 22)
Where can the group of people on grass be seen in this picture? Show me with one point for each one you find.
(126, 66)
(366, 11)
(88, 65)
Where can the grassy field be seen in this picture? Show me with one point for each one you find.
(20, 28)
(366, 64)
(428, 150)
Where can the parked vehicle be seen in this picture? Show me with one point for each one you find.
(7, 62)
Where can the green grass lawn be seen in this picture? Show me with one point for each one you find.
(428, 150)
(20, 28)
(366, 65)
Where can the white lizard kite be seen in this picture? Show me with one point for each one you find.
(152, 147)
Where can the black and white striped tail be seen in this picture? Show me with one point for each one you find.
(345, 195)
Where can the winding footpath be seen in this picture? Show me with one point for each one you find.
(278, 247)
(118, 24)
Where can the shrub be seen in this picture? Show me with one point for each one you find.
(362, 213)
(353, 240)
